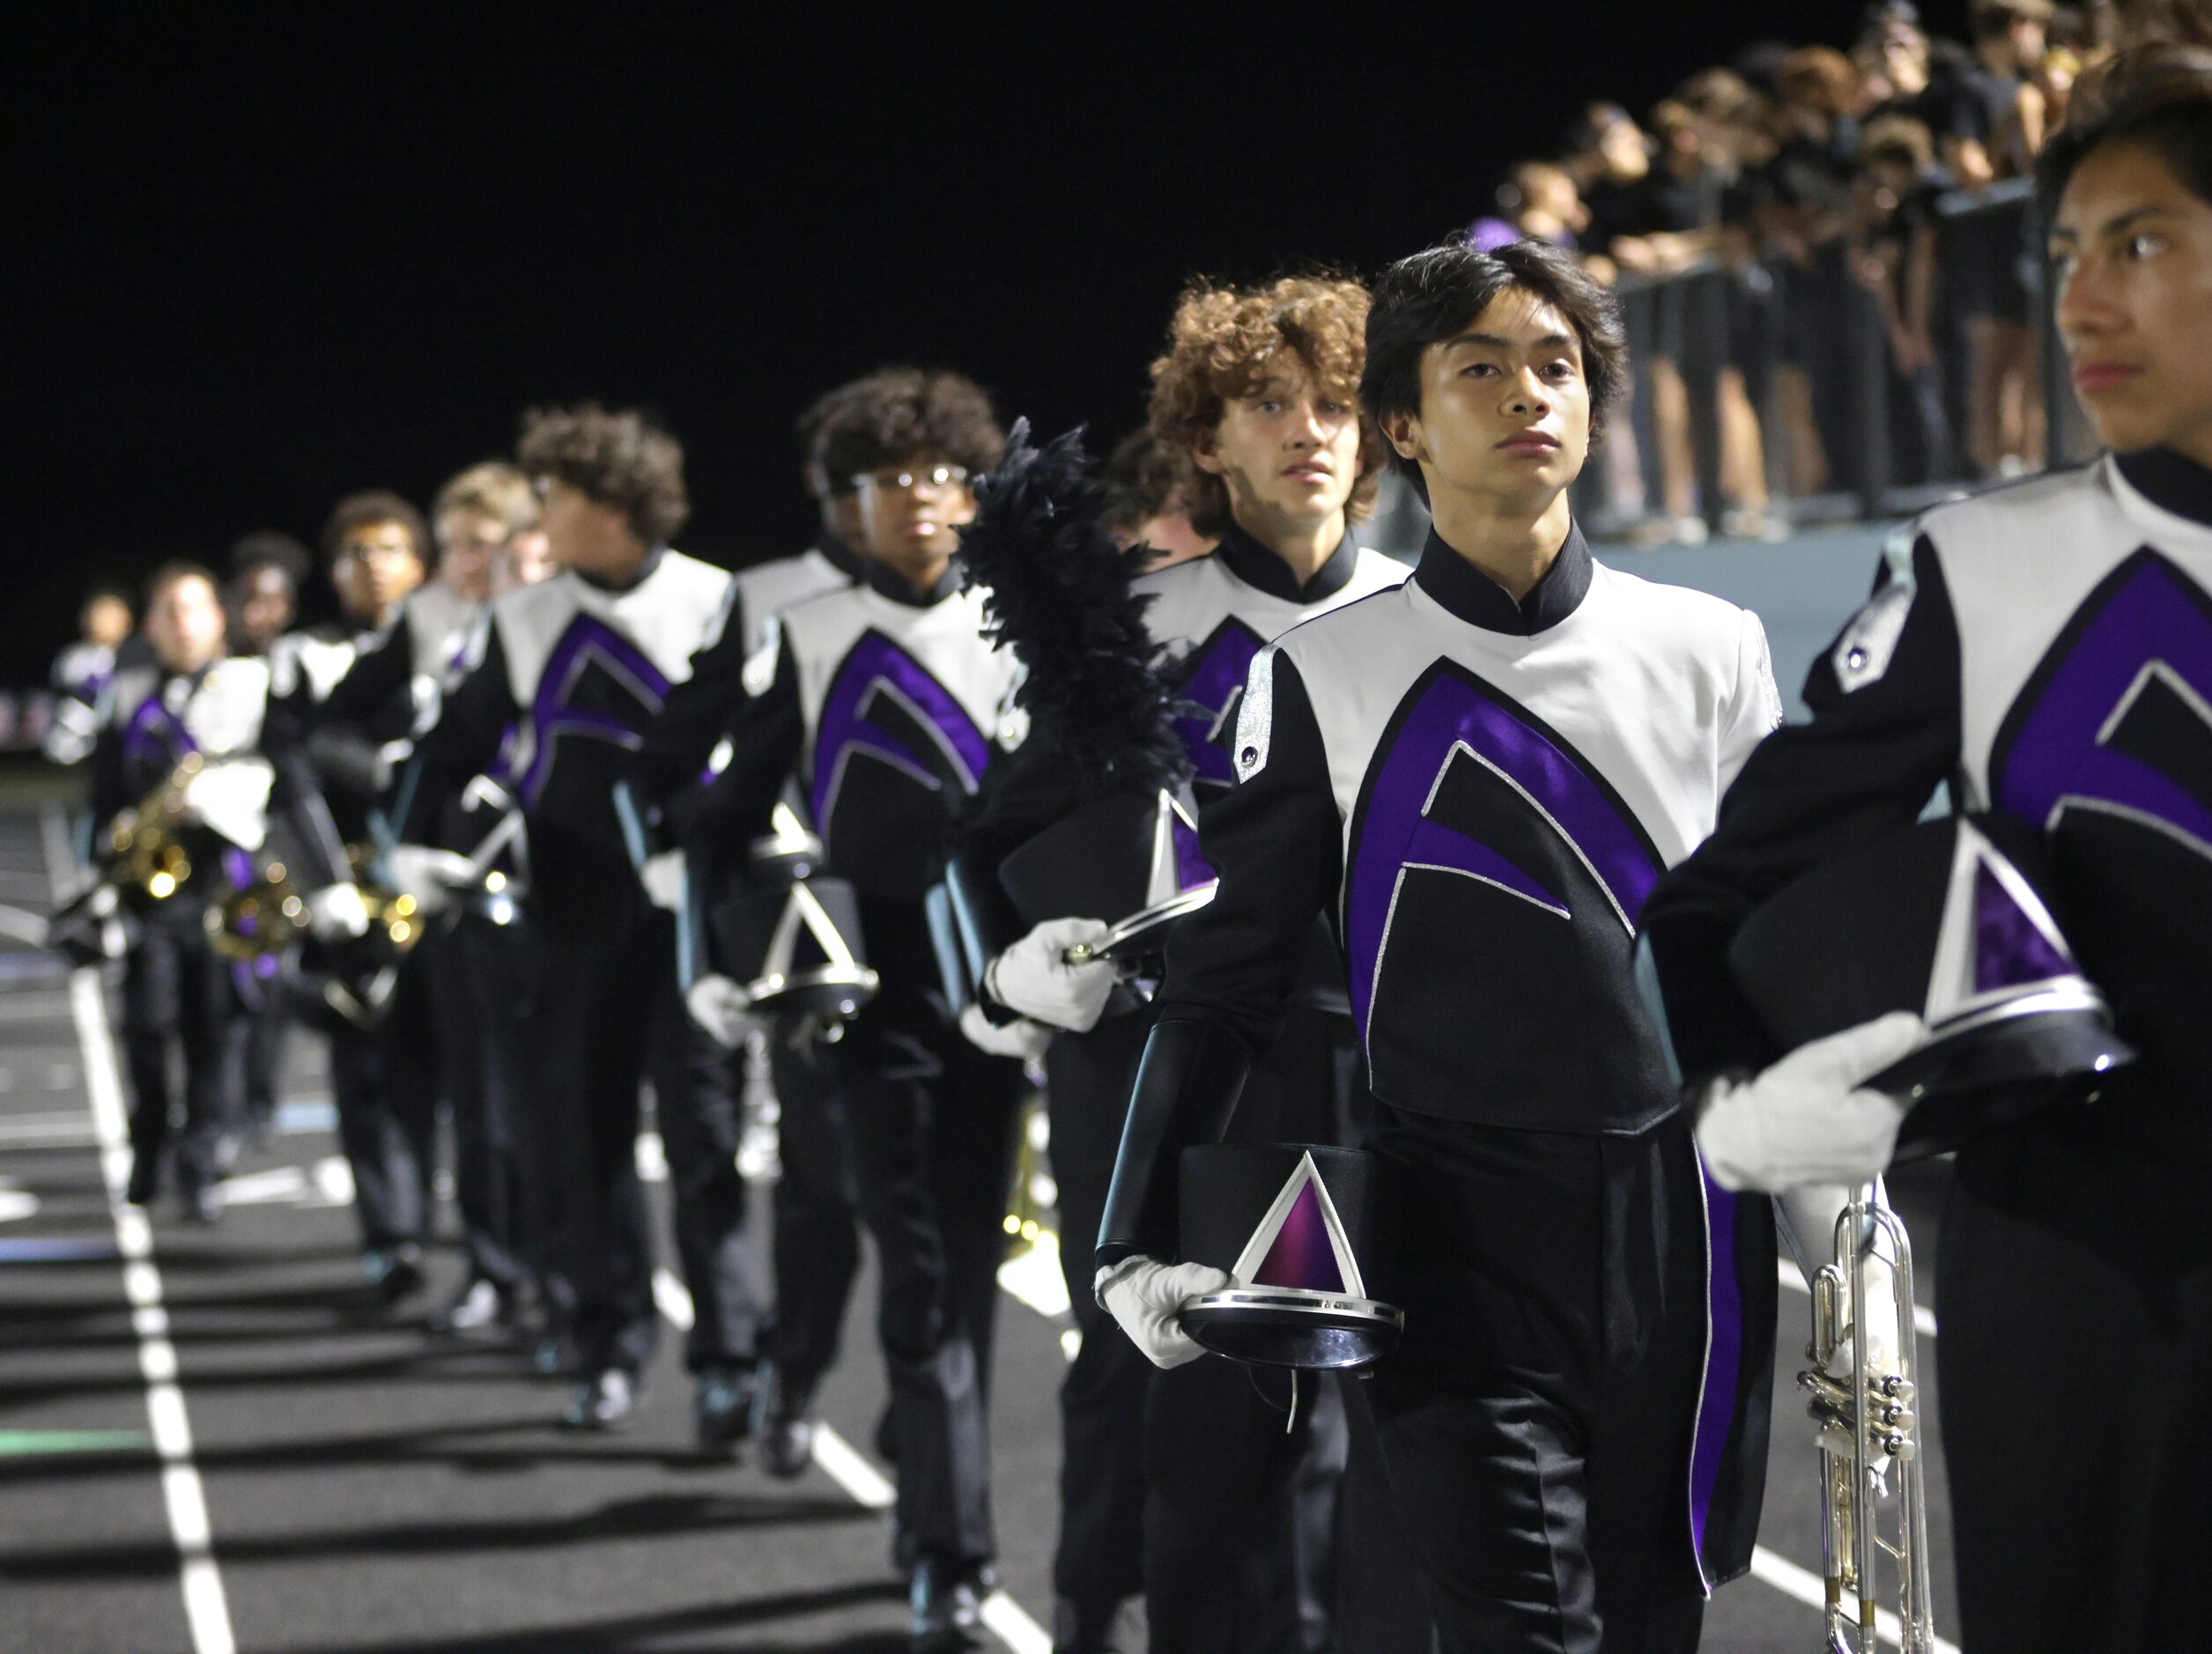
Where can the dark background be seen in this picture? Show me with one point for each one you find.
(263, 256)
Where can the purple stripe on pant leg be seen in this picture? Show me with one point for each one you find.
(1724, 1357)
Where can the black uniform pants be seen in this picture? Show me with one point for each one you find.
(1241, 1493)
(816, 1219)
(2077, 1396)
(262, 1002)
(1537, 1415)
(1098, 1560)
(483, 991)
(930, 1122)
(1238, 1515)
(608, 1015)
(177, 994)
(385, 1083)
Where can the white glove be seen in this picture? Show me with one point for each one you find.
(1145, 1295)
(1808, 1217)
(721, 1007)
(662, 877)
(429, 876)
(1024, 1040)
(338, 913)
(232, 798)
(1034, 978)
(1807, 1118)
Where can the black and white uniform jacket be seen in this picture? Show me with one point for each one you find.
(1480, 795)
(155, 717)
(886, 706)
(1213, 614)
(685, 745)
(2044, 650)
(350, 701)
(558, 683)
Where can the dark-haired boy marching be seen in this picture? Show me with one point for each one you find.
(562, 677)
(2043, 651)
(884, 701)
(1477, 777)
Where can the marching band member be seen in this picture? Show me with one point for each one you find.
(192, 701)
(2046, 652)
(817, 1227)
(566, 674)
(1256, 400)
(329, 732)
(1479, 776)
(882, 700)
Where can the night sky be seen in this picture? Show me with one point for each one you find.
(260, 256)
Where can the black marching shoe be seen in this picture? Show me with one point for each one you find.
(607, 1401)
(146, 1180)
(394, 1271)
(946, 1602)
(779, 1420)
(722, 1410)
(202, 1202)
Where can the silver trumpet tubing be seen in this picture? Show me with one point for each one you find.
(1862, 1394)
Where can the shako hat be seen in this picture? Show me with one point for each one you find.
(1945, 919)
(1296, 1225)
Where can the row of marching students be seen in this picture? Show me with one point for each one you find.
(1553, 1006)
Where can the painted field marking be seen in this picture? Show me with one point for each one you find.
(1810, 1589)
(868, 1486)
(206, 1608)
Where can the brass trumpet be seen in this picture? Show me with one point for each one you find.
(1869, 1444)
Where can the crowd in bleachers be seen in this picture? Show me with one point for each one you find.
(1792, 227)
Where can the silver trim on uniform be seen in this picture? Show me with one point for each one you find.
(1255, 716)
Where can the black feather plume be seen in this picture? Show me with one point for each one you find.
(1058, 595)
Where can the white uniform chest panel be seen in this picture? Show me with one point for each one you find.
(767, 589)
(662, 622)
(851, 646)
(2081, 571)
(224, 715)
(1635, 684)
(1191, 600)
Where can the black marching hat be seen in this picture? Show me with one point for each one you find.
(789, 936)
(1946, 919)
(1126, 859)
(1295, 1224)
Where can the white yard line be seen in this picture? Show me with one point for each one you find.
(868, 1486)
(1807, 1588)
(205, 1607)
(1788, 1274)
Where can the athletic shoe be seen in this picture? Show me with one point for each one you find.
(479, 1306)
(722, 1410)
(393, 1271)
(946, 1605)
(607, 1401)
(202, 1202)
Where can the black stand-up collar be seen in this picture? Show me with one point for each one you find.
(900, 589)
(1262, 570)
(645, 572)
(1480, 601)
(2170, 482)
